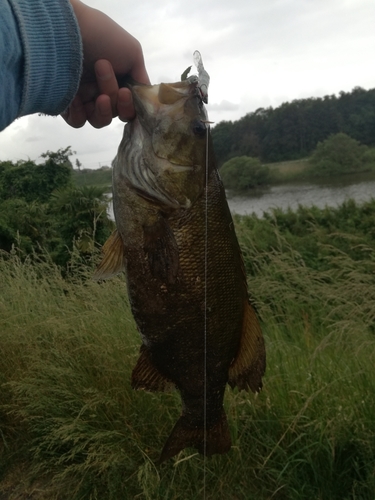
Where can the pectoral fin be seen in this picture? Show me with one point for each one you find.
(162, 251)
(113, 261)
(146, 376)
(249, 365)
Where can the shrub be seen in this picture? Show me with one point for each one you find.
(339, 154)
(244, 172)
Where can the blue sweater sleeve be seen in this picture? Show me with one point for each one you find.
(40, 57)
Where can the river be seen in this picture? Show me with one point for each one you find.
(321, 193)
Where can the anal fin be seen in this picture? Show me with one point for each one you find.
(249, 365)
(146, 376)
(113, 261)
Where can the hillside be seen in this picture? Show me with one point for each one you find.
(293, 130)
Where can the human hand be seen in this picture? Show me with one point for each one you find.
(109, 52)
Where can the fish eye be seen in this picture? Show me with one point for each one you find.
(199, 128)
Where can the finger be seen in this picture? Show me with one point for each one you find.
(138, 68)
(75, 115)
(125, 106)
(100, 114)
(107, 82)
(140, 75)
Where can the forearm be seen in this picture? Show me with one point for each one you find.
(46, 68)
(42, 50)
(11, 68)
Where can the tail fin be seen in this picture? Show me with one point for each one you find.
(216, 439)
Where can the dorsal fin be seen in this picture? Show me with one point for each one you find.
(249, 365)
(113, 261)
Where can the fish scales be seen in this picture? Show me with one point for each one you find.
(187, 287)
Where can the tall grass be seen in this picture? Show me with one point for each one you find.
(72, 428)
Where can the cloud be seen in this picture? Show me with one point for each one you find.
(258, 54)
(31, 136)
(223, 106)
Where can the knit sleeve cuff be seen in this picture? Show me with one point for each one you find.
(52, 52)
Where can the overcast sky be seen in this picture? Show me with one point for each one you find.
(259, 53)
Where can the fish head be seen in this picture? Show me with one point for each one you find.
(171, 128)
(176, 119)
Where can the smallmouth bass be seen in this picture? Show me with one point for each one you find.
(176, 242)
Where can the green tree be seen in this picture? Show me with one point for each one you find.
(26, 224)
(40, 209)
(222, 139)
(243, 172)
(293, 129)
(80, 218)
(339, 154)
(30, 181)
(56, 172)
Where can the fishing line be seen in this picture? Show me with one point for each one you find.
(205, 318)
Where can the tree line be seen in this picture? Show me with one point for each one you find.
(41, 210)
(293, 130)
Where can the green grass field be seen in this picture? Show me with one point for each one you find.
(287, 171)
(300, 170)
(72, 428)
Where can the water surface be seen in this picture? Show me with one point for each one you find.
(321, 193)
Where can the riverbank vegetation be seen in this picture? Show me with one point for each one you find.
(41, 210)
(243, 173)
(338, 155)
(72, 428)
